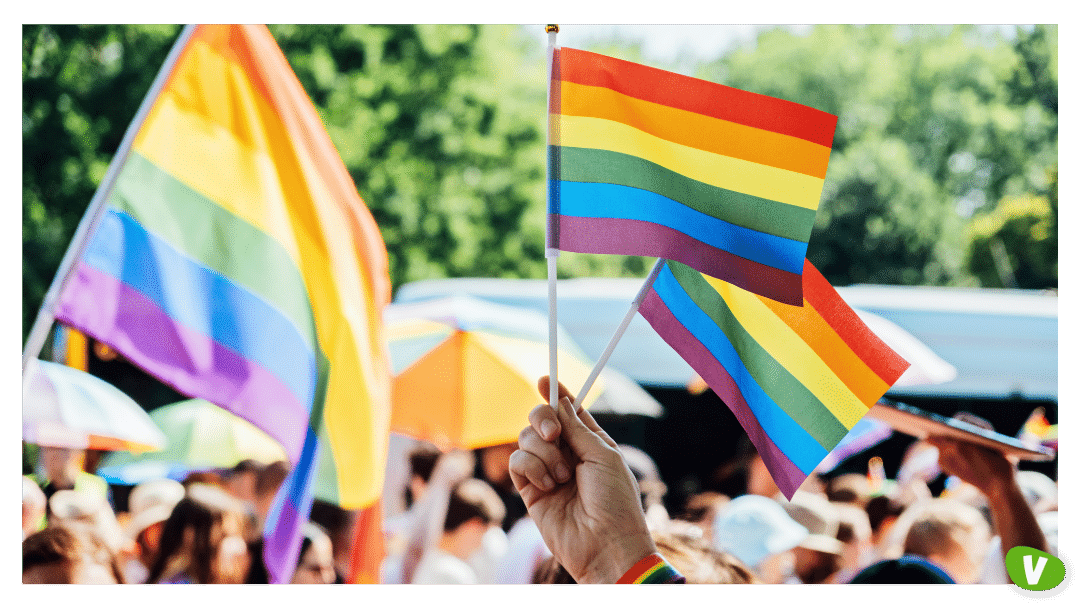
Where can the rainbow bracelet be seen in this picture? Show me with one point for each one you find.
(651, 569)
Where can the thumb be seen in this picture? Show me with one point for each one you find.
(580, 438)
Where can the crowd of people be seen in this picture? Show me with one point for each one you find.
(563, 504)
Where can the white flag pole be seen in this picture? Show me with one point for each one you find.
(39, 331)
(634, 306)
(552, 249)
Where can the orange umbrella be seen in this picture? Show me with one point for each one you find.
(466, 370)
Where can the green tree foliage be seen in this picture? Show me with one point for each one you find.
(81, 87)
(936, 123)
(1015, 245)
(443, 131)
(441, 127)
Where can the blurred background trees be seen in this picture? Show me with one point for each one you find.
(944, 164)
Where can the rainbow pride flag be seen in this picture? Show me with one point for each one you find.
(236, 262)
(798, 378)
(649, 162)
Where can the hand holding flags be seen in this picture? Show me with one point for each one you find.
(725, 185)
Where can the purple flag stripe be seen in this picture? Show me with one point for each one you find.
(192, 363)
(788, 477)
(635, 237)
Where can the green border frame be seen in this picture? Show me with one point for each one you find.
(432, 11)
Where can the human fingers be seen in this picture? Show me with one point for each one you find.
(590, 422)
(547, 452)
(545, 421)
(525, 464)
(580, 438)
(544, 386)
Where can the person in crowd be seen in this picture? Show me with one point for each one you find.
(882, 512)
(492, 466)
(267, 482)
(551, 572)
(647, 476)
(240, 481)
(853, 530)
(337, 523)
(62, 469)
(473, 508)
(422, 461)
(316, 562)
(524, 556)
(701, 510)
(71, 553)
(149, 505)
(209, 478)
(817, 556)
(205, 540)
(1012, 516)
(34, 506)
(424, 527)
(852, 488)
(761, 534)
(583, 498)
(693, 557)
(90, 509)
(700, 563)
(949, 533)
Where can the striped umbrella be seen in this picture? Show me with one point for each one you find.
(465, 370)
(66, 407)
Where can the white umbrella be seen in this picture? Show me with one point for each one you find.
(66, 407)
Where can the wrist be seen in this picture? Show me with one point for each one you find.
(617, 558)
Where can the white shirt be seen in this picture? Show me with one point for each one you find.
(486, 560)
(438, 567)
(525, 552)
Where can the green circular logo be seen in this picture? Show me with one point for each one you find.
(1034, 570)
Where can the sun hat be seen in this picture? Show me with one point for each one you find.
(151, 502)
(753, 527)
(74, 505)
(819, 517)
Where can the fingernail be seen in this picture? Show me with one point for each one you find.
(561, 472)
(547, 429)
(546, 483)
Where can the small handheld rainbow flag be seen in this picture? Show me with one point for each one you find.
(798, 378)
(236, 262)
(649, 162)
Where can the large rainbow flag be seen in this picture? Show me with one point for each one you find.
(236, 262)
(798, 378)
(649, 162)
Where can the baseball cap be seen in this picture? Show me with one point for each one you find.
(753, 527)
(819, 517)
(151, 502)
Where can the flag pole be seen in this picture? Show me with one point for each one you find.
(634, 306)
(39, 331)
(551, 252)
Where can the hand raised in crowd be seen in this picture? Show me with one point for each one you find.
(992, 473)
(580, 492)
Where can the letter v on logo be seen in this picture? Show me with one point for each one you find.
(1034, 570)
(1033, 574)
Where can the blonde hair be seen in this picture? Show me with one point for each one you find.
(942, 526)
(699, 562)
